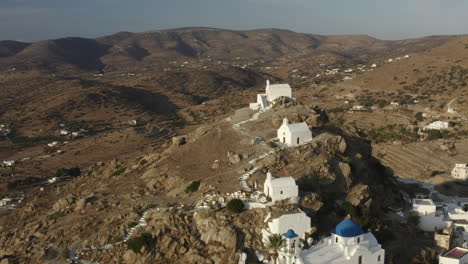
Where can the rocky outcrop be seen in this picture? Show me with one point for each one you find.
(234, 158)
(179, 140)
(313, 116)
(311, 203)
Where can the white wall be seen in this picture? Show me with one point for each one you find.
(304, 136)
(429, 223)
(289, 138)
(460, 173)
(278, 193)
(284, 135)
(299, 222)
(275, 91)
(444, 260)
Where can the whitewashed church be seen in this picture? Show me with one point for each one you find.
(281, 188)
(348, 243)
(294, 134)
(272, 92)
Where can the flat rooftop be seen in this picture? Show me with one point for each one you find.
(456, 253)
(423, 201)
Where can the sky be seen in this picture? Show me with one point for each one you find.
(34, 20)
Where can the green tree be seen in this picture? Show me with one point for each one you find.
(274, 243)
(235, 206)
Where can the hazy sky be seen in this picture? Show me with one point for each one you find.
(31, 20)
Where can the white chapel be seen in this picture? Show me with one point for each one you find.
(272, 92)
(294, 134)
(281, 188)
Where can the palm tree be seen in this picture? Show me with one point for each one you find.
(274, 244)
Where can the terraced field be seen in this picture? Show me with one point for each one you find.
(422, 160)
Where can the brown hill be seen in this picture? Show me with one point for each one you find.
(125, 50)
(10, 48)
(432, 78)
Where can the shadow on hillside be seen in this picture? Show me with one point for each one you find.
(84, 53)
(453, 188)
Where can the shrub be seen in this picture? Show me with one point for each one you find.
(137, 243)
(392, 133)
(235, 206)
(433, 134)
(419, 116)
(193, 187)
(132, 224)
(272, 144)
(73, 172)
(65, 253)
(119, 172)
(339, 121)
(413, 219)
(56, 215)
(349, 209)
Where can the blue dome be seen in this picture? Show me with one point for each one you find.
(290, 234)
(348, 228)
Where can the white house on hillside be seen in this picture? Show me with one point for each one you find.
(280, 188)
(430, 217)
(347, 244)
(437, 125)
(272, 92)
(294, 134)
(299, 222)
(460, 171)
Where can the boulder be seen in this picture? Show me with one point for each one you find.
(6, 261)
(81, 204)
(311, 203)
(358, 195)
(63, 203)
(345, 170)
(234, 158)
(179, 140)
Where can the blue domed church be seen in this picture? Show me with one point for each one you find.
(348, 243)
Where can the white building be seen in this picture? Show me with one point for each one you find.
(347, 244)
(8, 163)
(272, 92)
(457, 255)
(280, 188)
(430, 217)
(294, 134)
(437, 125)
(299, 222)
(460, 171)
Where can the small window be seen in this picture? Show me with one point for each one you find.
(281, 192)
(378, 258)
(297, 140)
(336, 240)
(358, 240)
(360, 259)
